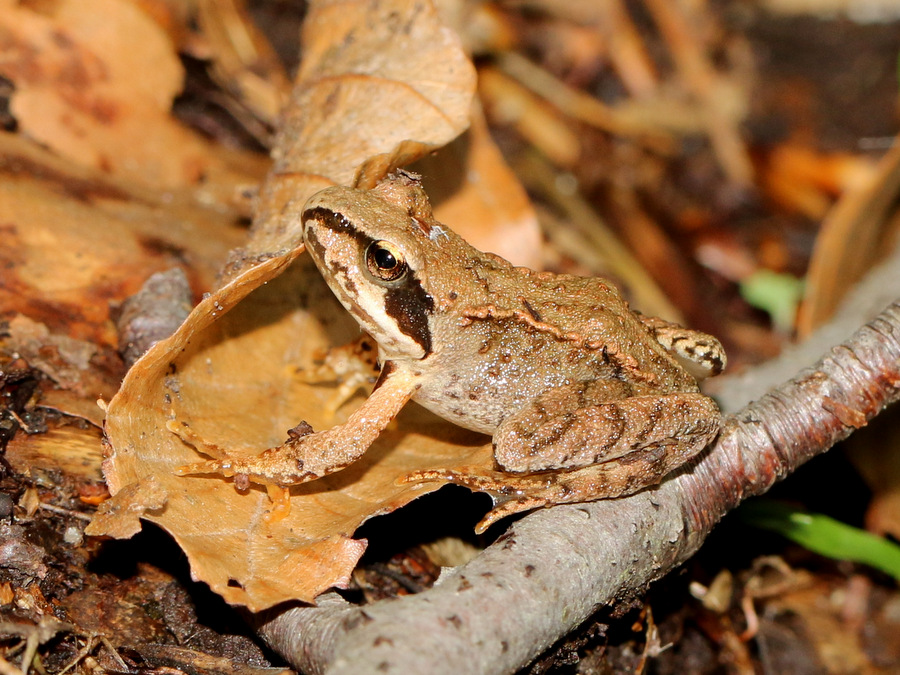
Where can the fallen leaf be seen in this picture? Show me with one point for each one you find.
(94, 80)
(380, 85)
(242, 59)
(837, 649)
(852, 238)
(71, 449)
(75, 243)
(874, 453)
(61, 358)
(72, 404)
(120, 517)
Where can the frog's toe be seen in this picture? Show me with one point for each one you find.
(280, 497)
(472, 478)
(508, 508)
(187, 435)
(424, 476)
(224, 467)
(501, 486)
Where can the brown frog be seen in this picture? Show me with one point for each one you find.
(584, 398)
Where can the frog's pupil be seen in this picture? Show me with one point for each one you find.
(385, 259)
(383, 263)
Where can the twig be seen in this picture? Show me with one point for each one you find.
(6, 668)
(12, 413)
(33, 636)
(65, 512)
(556, 567)
(82, 653)
(701, 78)
(92, 640)
(581, 106)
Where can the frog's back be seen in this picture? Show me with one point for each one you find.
(526, 332)
(589, 315)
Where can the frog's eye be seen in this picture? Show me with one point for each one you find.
(385, 261)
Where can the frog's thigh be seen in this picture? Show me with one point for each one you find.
(543, 436)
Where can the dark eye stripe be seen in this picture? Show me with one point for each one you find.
(330, 219)
(407, 303)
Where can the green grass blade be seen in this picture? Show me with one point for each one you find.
(824, 535)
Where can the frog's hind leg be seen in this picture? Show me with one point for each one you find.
(599, 451)
(571, 427)
(515, 493)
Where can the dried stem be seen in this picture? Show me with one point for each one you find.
(556, 567)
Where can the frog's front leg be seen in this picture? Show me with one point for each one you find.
(563, 452)
(307, 455)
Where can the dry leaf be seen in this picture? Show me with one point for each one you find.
(94, 81)
(73, 405)
(70, 449)
(875, 453)
(120, 518)
(62, 358)
(801, 179)
(473, 190)
(242, 59)
(74, 243)
(380, 85)
(852, 239)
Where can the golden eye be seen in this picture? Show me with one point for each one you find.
(385, 261)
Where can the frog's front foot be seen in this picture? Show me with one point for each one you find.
(223, 467)
(280, 466)
(221, 463)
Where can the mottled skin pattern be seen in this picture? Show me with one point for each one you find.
(565, 377)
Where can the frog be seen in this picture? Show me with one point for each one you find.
(583, 397)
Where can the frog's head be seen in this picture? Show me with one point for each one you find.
(372, 253)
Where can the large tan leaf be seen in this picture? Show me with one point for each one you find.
(380, 84)
(235, 381)
(361, 104)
